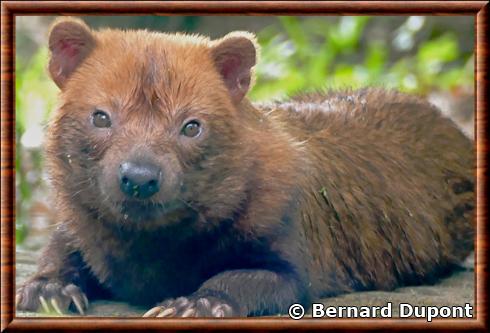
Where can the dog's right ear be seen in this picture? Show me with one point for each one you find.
(70, 41)
(235, 56)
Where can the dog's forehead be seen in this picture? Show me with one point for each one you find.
(160, 49)
(135, 59)
(152, 71)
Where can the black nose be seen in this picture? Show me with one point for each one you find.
(139, 180)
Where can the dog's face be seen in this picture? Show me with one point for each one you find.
(148, 129)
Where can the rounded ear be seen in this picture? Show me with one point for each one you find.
(234, 56)
(70, 41)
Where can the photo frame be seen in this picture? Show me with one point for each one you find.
(479, 9)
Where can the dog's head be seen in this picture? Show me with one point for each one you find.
(149, 125)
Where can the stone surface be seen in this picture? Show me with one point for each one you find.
(457, 289)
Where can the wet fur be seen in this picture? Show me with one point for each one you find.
(280, 202)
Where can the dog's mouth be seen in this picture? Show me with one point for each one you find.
(140, 211)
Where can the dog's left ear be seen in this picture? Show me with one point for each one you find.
(70, 42)
(234, 56)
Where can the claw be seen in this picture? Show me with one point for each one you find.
(54, 303)
(152, 311)
(218, 313)
(44, 304)
(189, 313)
(167, 312)
(203, 302)
(220, 310)
(78, 304)
(85, 300)
(17, 299)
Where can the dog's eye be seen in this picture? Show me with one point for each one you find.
(191, 129)
(101, 119)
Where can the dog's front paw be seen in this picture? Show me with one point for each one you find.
(195, 306)
(50, 296)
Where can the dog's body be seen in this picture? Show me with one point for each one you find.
(170, 183)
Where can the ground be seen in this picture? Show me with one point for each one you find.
(457, 289)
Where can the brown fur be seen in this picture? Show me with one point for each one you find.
(331, 192)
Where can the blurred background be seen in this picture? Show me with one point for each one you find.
(432, 56)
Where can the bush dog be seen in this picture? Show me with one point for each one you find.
(176, 193)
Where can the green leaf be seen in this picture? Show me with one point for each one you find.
(440, 50)
(346, 35)
(376, 57)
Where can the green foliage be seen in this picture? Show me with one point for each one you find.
(315, 53)
(35, 96)
(35, 92)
